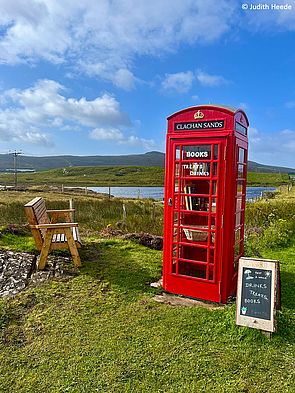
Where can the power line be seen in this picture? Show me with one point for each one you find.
(15, 154)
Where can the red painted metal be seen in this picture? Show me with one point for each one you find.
(205, 193)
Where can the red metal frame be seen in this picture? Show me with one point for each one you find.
(205, 189)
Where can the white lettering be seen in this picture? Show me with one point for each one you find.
(197, 154)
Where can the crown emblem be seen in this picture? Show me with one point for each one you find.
(199, 115)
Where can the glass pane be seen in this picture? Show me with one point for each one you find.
(173, 266)
(241, 155)
(239, 204)
(176, 170)
(195, 203)
(199, 187)
(214, 187)
(192, 269)
(177, 153)
(237, 249)
(241, 171)
(176, 186)
(196, 169)
(215, 169)
(213, 208)
(238, 218)
(196, 254)
(211, 256)
(237, 235)
(196, 151)
(175, 217)
(215, 152)
(240, 184)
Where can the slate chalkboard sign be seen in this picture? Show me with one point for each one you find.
(257, 293)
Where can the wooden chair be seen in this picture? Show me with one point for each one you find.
(49, 234)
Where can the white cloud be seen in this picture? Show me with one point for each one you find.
(276, 148)
(180, 82)
(210, 80)
(32, 115)
(111, 134)
(115, 135)
(103, 37)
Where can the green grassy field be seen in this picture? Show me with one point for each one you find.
(102, 331)
(118, 176)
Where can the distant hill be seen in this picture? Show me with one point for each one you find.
(153, 158)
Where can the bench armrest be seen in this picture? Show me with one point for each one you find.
(55, 226)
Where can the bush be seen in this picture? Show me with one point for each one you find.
(277, 234)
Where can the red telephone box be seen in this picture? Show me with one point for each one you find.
(205, 193)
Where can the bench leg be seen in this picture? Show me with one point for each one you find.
(73, 247)
(45, 250)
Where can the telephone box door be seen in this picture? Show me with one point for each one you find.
(194, 208)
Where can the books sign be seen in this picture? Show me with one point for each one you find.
(258, 293)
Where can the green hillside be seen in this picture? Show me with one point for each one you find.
(118, 176)
(149, 159)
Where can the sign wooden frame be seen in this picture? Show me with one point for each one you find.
(267, 294)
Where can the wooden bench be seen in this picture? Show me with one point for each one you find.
(50, 234)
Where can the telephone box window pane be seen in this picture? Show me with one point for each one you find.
(196, 169)
(237, 249)
(213, 207)
(196, 152)
(238, 218)
(174, 252)
(176, 186)
(175, 217)
(214, 187)
(240, 186)
(215, 169)
(200, 187)
(176, 170)
(241, 155)
(241, 171)
(239, 204)
(177, 153)
(196, 203)
(237, 235)
(215, 152)
(173, 266)
(196, 254)
(211, 256)
(192, 269)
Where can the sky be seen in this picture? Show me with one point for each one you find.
(100, 77)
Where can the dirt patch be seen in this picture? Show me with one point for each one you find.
(145, 239)
(179, 301)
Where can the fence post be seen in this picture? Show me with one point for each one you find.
(154, 211)
(124, 213)
(71, 207)
(109, 192)
(62, 188)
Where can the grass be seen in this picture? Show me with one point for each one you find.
(95, 176)
(102, 330)
(118, 176)
(92, 213)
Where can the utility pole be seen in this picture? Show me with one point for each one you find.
(15, 154)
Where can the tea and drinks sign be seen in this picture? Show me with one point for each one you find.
(258, 293)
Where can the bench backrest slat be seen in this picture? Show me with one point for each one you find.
(37, 214)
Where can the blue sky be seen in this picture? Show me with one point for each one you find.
(101, 76)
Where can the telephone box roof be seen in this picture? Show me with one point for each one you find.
(229, 109)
